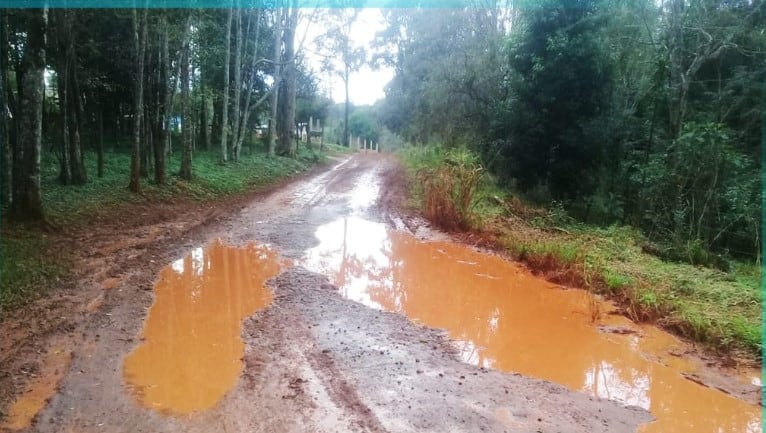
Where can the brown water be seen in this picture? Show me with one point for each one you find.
(500, 316)
(25, 408)
(192, 350)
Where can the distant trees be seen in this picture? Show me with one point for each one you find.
(640, 112)
(336, 42)
(137, 81)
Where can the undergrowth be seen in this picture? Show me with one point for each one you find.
(717, 306)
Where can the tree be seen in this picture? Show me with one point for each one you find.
(139, 46)
(337, 40)
(276, 60)
(70, 102)
(27, 200)
(225, 105)
(187, 123)
(560, 83)
(286, 103)
(6, 195)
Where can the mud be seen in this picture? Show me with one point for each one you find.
(313, 360)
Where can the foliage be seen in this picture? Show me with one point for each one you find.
(631, 112)
(449, 184)
(701, 190)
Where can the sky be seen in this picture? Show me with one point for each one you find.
(366, 85)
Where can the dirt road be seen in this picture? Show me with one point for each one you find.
(313, 360)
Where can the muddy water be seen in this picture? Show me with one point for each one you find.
(25, 408)
(500, 316)
(191, 350)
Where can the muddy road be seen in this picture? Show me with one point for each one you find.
(308, 309)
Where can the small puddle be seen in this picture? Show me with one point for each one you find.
(191, 353)
(23, 411)
(501, 316)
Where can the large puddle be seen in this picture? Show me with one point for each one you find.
(500, 316)
(191, 353)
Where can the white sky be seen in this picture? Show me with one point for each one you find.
(366, 85)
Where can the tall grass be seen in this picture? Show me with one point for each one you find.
(449, 184)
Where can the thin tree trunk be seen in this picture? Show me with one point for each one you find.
(287, 121)
(100, 149)
(276, 59)
(225, 105)
(187, 125)
(139, 45)
(250, 82)
(79, 175)
(346, 109)
(237, 85)
(65, 171)
(28, 204)
(7, 161)
(163, 102)
(174, 84)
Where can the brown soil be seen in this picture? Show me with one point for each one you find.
(313, 361)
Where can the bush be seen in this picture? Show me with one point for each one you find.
(449, 189)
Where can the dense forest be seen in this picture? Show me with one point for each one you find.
(151, 82)
(634, 112)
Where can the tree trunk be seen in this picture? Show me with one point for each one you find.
(28, 205)
(65, 169)
(237, 86)
(139, 46)
(79, 175)
(287, 121)
(6, 195)
(277, 59)
(225, 105)
(100, 149)
(187, 124)
(250, 84)
(346, 108)
(163, 96)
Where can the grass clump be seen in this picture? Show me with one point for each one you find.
(447, 185)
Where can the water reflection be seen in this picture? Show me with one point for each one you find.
(501, 316)
(192, 350)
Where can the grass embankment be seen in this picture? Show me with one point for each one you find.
(721, 309)
(29, 260)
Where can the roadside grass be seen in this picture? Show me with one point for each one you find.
(28, 263)
(721, 309)
(73, 204)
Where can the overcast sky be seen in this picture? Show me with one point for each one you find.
(366, 85)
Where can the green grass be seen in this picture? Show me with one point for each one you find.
(67, 205)
(721, 309)
(28, 264)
